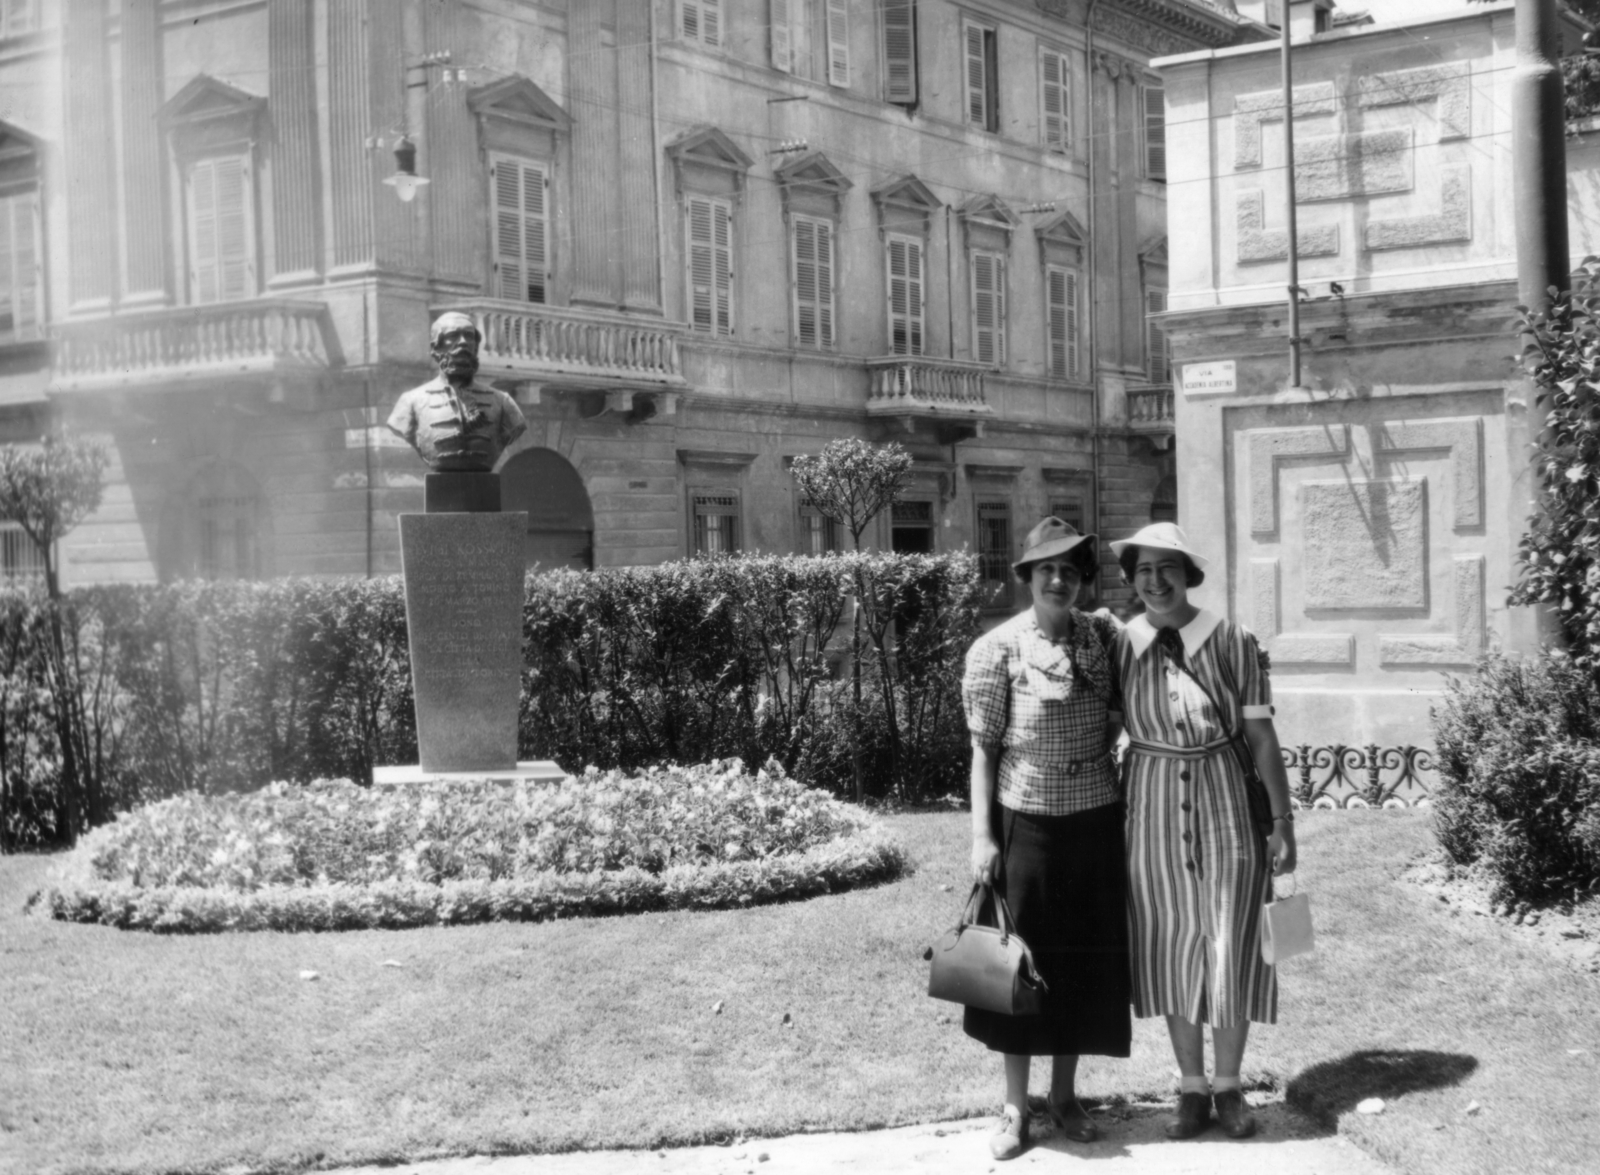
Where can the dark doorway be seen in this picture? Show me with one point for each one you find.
(560, 519)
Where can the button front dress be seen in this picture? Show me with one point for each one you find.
(1197, 868)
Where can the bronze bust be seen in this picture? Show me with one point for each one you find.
(453, 424)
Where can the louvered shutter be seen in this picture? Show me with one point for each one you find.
(521, 230)
(710, 266)
(19, 266)
(221, 259)
(778, 19)
(1155, 301)
(701, 20)
(8, 269)
(905, 296)
(813, 282)
(900, 51)
(977, 78)
(1155, 133)
(1062, 295)
(203, 233)
(988, 309)
(1054, 101)
(838, 42)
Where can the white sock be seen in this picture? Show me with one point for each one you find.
(1194, 1085)
(1223, 1084)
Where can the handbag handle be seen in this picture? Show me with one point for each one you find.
(1005, 923)
(1294, 888)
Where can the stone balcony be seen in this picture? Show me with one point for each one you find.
(1150, 412)
(946, 394)
(584, 349)
(275, 338)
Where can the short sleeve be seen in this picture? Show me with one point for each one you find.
(1252, 667)
(403, 420)
(985, 692)
(1106, 631)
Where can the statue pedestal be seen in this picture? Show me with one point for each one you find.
(464, 592)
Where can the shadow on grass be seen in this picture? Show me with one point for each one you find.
(1331, 1088)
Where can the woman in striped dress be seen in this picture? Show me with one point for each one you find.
(1198, 867)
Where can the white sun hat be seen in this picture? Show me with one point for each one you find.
(1166, 536)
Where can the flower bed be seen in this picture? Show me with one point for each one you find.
(334, 856)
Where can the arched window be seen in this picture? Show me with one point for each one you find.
(544, 484)
(214, 528)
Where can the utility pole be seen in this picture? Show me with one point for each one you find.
(1288, 187)
(1539, 172)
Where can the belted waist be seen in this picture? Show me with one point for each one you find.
(1168, 751)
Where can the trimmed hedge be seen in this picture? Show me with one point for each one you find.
(1519, 777)
(333, 856)
(225, 687)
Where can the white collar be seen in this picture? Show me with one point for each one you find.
(1142, 634)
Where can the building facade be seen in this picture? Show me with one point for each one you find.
(1368, 516)
(699, 237)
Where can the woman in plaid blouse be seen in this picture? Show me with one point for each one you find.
(1042, 704)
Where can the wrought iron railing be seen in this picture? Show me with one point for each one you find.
(940, 387)
(1360, 777)
(532, 341)
(1150, 408)
(261, 335)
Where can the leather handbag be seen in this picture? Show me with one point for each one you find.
(1286, 928)
(987, 967)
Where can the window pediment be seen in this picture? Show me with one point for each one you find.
(208, 114)
(709, 150)
(812, 183)
(991, 211)
(907, 191)
(1154, 252)
(1061, 238)
(519, 99)
(19, 155)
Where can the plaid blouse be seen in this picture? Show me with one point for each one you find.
(1045, 705)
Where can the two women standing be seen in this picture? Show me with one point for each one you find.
(1187, 883)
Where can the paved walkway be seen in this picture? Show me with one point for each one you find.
(1132, 1142)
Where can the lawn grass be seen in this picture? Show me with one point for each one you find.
(135, 1052)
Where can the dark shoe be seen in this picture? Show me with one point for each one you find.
(1194, 1115)
(1233, 1115)
(1010, 1137)
(1073, 1120)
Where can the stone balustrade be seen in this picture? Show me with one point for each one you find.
(1150, 409)
(916, 385)
(545, 342)
(257, 337)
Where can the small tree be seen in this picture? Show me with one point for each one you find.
(850, 483)
(47, 490)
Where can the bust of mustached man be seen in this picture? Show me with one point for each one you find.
(455, 425)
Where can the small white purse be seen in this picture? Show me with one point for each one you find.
(1286, 928)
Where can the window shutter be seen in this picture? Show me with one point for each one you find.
(1155, 133)
(710, 266)
(1054, 101)
(722, 248)
(838, 42)
(778, 18)
(1155, 301)
(521, 230)
(1072, 325)
(905, 296)
(9, 269)
(813, 282)
(900, 51)
(233, 245)
(203, 232)
(988, 308)
(20, 311)
(1062, 295)
(977, 79)
(701, 20)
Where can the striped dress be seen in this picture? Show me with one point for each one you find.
(1197, 869)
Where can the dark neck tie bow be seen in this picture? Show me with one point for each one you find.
(1170, 642)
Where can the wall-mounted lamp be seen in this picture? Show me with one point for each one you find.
(405, 181)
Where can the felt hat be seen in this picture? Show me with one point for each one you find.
(1166, 536)
(1050, 538)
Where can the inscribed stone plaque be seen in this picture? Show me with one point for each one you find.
(1365, 544)
(464, 591)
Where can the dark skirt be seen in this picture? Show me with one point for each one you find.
(1065, 879)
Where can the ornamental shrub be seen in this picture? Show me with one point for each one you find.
(1519, 777)
(223, 687)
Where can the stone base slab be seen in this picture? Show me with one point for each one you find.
(526, 771)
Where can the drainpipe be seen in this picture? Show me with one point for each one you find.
(1093, 348)
(1288, 182)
